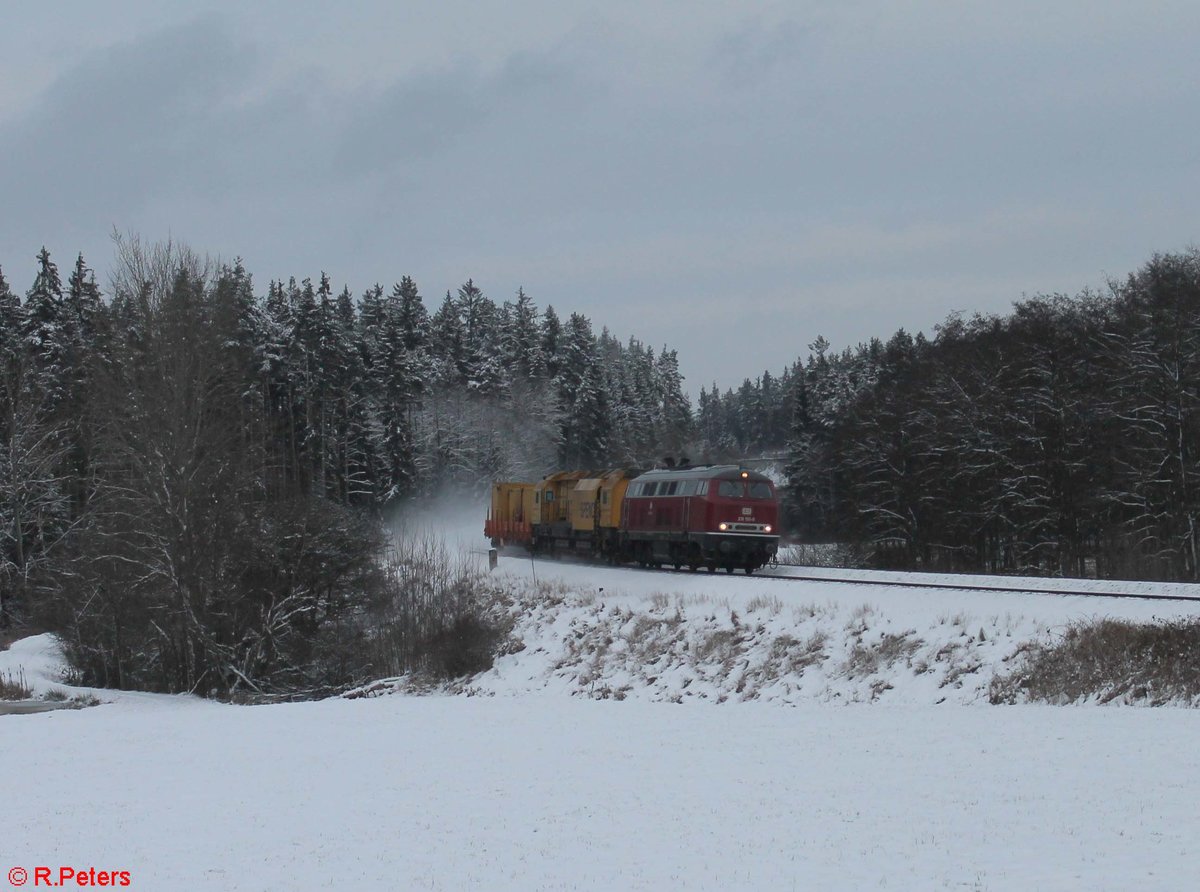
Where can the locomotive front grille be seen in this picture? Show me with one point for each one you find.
(747, 528)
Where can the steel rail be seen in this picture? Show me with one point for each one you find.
(967, 587)
(953, 586)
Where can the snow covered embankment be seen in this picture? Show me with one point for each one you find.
(679, 646)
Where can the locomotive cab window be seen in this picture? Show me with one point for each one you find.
(730, 489)
(760, 490)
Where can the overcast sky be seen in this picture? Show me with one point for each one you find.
(730, 178)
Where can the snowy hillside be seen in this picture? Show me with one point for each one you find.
(620, 633)
(539, 786)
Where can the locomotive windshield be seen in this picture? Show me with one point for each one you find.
(736, 489)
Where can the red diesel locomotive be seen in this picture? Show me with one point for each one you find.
(716, 516)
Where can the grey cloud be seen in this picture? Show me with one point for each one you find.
(423, 116)
(164, 133)
(757, 50)
(650, 175)
(113, 127)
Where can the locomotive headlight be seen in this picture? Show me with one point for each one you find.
(722, 527)
(767, 528)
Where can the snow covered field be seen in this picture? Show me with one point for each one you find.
(912, 783)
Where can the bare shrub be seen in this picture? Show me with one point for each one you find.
(1111, 661)
(435, 614)
(13, 687)
(468, 646)
(275, 609)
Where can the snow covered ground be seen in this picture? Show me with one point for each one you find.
(607, 632)
(852, 757)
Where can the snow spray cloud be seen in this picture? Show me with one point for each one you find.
(455, 519)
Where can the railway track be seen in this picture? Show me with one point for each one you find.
(968, 587)
(931, 583)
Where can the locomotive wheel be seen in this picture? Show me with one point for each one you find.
(749, 570)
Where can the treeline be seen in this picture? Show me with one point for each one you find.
(1060, 439)
(193, 475)
(752, 421)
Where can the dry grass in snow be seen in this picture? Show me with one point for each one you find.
(611, 634)
(677, 647)
(1108, 661)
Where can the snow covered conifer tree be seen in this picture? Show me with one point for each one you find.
(412, 317)
(50, 332)
(12, 419)
(39, 388)
(447, 342)
(348, 454)
(674, 405)
(400, 382)
(520, 340)
(482, 365)
(551, 338)
(585, 424)
(370, 320)
(86, 310)
(12, 324)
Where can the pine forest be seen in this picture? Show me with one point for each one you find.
(196, 474)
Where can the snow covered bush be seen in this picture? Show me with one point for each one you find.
(1109, 660)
